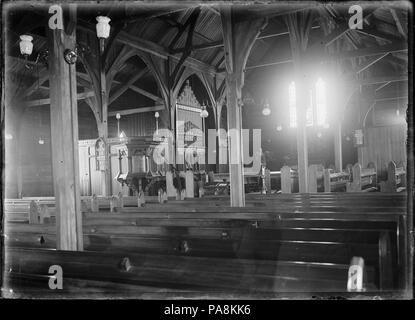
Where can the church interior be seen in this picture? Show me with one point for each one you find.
(218, 150)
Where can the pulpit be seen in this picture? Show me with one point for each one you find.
(131, 165)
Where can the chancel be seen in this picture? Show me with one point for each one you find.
(207, 150)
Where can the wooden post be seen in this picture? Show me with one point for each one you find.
(113, 204)
(268, 181)
(356, 184)
(141, 201)
(312, 178)
(338, 156)
(190, 187)
(238, 39)
(286, 179)
(120, 202)
(34, 212)
(106, 185)
(94, 203)
(64, 134)
(44, 213)
(326, 177)
(171, 190)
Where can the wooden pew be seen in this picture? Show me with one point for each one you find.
(315, 178)
(288, 178)
(265, 235)
(335, 181)
(396, 181)
(362, 179)
(155, 276)
(280, 202)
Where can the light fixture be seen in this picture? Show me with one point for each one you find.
(204, 113)
(118, 117)
(266, 111)
(123, 135)
(279, 128)
(103, 27)
(41, 141)
(8, 136)
(70, 56)
(319, 134)
(157, 115)
(26, 45)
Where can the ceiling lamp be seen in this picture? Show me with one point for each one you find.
(204, 113)
(279, 127)
(26, 45)
(266, 111)
(103, 27)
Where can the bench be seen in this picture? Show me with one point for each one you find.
(362, 179)
(109, 275)
(289, 178)
(371, 202)
(311, 237)
(335, 181)
(396, 181)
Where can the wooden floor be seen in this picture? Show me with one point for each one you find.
(277, 246)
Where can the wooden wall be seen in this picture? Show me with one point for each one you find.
(34, 163)
(382, 145)
(134, 125)
(35, 159)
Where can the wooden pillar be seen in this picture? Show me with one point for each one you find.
(299, 25)
(64, 133)
(338, 156)
(238, 39)
(235, 143)
(302, 148)
(189, 180)
(106, 181)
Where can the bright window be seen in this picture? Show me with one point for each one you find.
(321, 106)
(292, 106)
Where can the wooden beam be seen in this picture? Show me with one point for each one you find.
(146, 93)
(125, 87)
(46, 101)
(377, 80)
(366, 52)
(269, 64)
(382, 86)
(376, 34)
(392, 98)
(153, 48)
(371, 61)
(189, 40)
(137, 110)
(398, 23)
